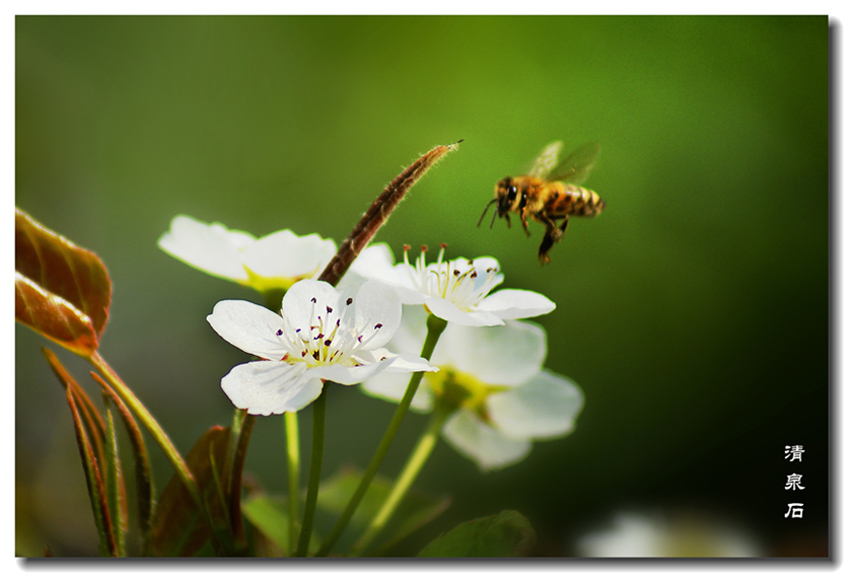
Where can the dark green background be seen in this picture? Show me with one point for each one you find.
(694, 312)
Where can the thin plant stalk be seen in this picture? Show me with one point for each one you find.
(315, 476)
(293, 460)
(435, 329)
(408, 475)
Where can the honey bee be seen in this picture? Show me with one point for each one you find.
(549, 192)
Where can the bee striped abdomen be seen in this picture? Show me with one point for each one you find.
(577, 201)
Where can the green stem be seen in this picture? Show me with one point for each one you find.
(411, 470)
(319, 407)
(293, 459)
(435, 328)
(162, 440)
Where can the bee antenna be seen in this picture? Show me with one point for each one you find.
(480, 219)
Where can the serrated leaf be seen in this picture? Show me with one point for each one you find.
(415, 510)
(508, 534)
(62, 291)
(179, 528)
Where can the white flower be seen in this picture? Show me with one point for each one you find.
(321, 334)
(275, 261)
(676, 535)
(455, 290)
(494, 378)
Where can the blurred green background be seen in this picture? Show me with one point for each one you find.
(694, 312)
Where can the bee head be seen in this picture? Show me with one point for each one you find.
(506, 193)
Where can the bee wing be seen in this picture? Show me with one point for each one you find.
(576, 168)
(546, 161)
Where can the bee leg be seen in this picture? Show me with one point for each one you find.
(553, 234)
(559, 232)
(545, 246)
(524, 220)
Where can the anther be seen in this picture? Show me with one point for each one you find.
(327, 342)
(423, 248)
(405, 247)
(444, 245)
(313, 300)
(349, 301)
(279, 333)
(330, 309)
(379, 326)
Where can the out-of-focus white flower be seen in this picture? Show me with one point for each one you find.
(275, 261)
(493, 379)
(457, 290)
(321, 334)
(677, 535)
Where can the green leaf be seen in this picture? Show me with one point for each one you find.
(415, 510)
(508, 534)
(270, 516)
(179, 528)
(62, 291)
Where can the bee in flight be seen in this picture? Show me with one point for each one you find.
(549, 192)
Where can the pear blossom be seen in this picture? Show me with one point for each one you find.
(691, 534)
(455, 290)
(320, 334)
(275, 261)
(492, 380)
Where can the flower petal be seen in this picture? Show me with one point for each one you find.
(306, 299)
(270, 387)
(342, 374)
(284, 254)
(391, 386)
(487, 447)
(512, 304)
(209, 248)
(249, 327)
(544, 407)
(375, 262)
(408, 363)
(446, 310)
(377, 311)
(504, 355)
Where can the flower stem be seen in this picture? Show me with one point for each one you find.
(164, 443)
(411, 470)
(435, 328)
(293, 459)
(315, 476)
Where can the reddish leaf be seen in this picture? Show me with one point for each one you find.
(62, 291)
(179, 529)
